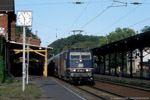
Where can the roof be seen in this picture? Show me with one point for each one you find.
(127, 44)
(34, 46)
(7, 5)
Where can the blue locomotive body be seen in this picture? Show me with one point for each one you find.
(73, 65)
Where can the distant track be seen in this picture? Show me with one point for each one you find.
(116, 94)
(108, 94)
(101, 97)
(147, 89)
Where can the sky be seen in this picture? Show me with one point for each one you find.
(56, 19)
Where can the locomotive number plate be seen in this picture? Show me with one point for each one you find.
(80, 65)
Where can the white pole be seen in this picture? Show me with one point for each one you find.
(28, 61)
(24, 67)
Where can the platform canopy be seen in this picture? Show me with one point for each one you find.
(137, 41)
(37, 52)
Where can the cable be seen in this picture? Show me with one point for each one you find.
(96, 16)
(79, 16)
(44, 4)
(117, 20)
(56, 3)
(120, 19)
(140, 22)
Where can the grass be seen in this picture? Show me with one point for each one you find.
(130, 82)
(13, 91)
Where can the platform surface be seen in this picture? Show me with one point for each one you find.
(52, 90)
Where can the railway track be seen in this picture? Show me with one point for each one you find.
(125, 85)
(103, 94)
(100, 93)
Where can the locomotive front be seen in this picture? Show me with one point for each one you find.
(81, 66)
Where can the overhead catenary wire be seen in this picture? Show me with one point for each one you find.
(40, 4)
(79, 16)
(139, 22)
(96, 16)
(128, 13)
(117, 21)
(55, 3)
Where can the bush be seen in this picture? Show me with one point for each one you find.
(1, 69)
(9, 79)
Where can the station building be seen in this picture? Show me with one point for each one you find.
(13, 46)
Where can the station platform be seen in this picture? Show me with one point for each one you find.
(52, 90)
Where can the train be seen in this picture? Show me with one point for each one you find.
(75, 66)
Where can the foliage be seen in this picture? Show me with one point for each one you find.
(19, 30)
(1, 69)
(1, 61)
(84, 41)
(126, 81)
(145, 29)
(120, 34)
(88, 42)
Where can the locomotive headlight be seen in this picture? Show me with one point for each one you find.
(74, 70)
(80, 60)
(87, 70)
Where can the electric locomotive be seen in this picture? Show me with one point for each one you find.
(73, 65)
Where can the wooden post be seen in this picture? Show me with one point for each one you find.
(45, 64)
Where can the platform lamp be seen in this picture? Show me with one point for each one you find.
(24, 19)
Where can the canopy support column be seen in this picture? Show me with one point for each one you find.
(45, 64)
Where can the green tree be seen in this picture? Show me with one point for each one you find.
(120, 34)
(145, 29)
(88, 42)
(19, 30)
(83, 41)
(102, 40)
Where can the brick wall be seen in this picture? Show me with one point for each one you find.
(12, 30)
(4, 23)
(7, 21)
(33, 41)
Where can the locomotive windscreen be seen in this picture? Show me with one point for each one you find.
(80, 55)
(80, 60)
